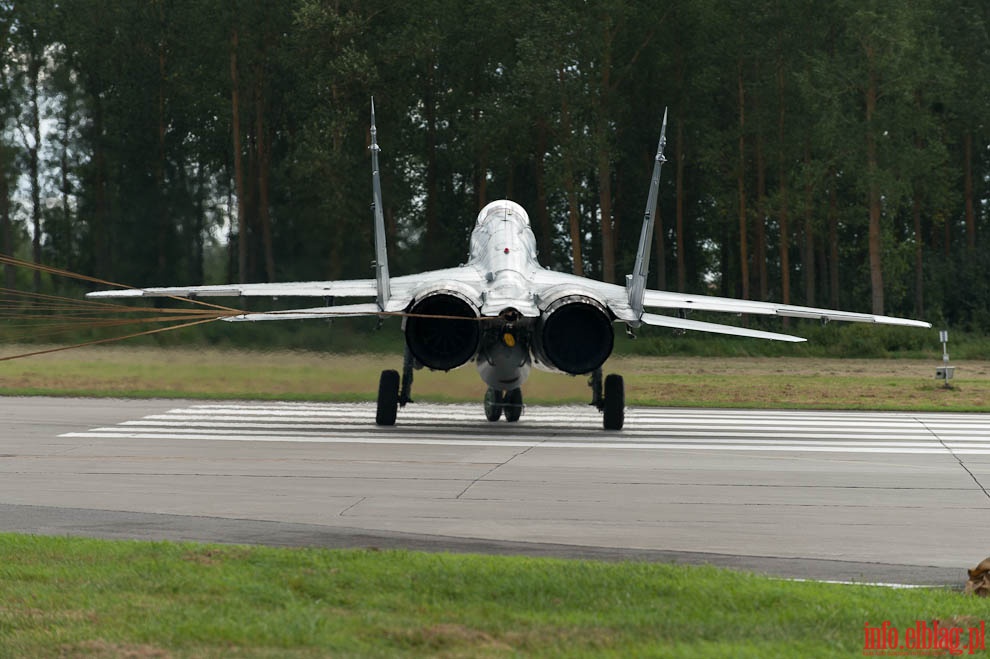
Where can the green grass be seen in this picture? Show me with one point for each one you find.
(79, 597)
(760, 382)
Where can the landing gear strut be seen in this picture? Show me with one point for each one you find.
(609, 398)
(497, 401)
(405, 392)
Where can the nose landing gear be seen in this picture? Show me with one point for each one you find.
(497, 401)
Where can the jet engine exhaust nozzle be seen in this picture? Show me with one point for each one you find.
(442, 344)
(574, 335)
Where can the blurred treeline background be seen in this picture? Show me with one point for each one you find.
(823, 153)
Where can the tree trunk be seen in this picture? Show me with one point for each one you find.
(919, 275)
(603, 157)
(481, 167)
(34, 149)
(103, 255)
(64, 245)
(6, 232)
(570, 187)
(875, 242)
(782, 214)
(761, 222)
(808, 244)
(432, 171)
(968, 184)
(264, 174)
(235, 111)
(741, 185)
(947, 239)
(338, 230)
(33, 170)
(605, 205)
(833, 244)
(542, 212)
(679, 206)
(783, 219)
(161, 212)
(574, 220)
(661, 258)
(809, 257)
(199, 228)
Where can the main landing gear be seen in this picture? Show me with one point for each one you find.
(607, 395)
(393, 394)
(388, 398)
(610, 399)
(497, 402)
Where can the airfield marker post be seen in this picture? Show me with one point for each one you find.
(945, 372)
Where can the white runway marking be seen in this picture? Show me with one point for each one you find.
(568, 427)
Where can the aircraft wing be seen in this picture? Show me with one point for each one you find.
(667, 300)
(616, 299)
(403, 290)
(343, 288)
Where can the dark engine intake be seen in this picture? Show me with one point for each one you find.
(574, 335)
(443, 343)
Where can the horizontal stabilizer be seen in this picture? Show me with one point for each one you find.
(668, 300)
(698, 326)
(343, 311)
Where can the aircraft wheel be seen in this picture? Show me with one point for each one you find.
(493, 404)
(513, 405)
(388, 398)
(615, 403)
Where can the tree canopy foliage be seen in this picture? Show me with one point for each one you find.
(831, 154)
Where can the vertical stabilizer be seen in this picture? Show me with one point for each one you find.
(636, 282)
(381, 254)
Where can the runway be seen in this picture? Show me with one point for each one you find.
(877, 497)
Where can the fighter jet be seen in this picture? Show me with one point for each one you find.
(505, 312)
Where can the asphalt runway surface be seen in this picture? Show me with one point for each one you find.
(871, 497)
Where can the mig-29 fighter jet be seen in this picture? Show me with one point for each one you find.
(505, 312)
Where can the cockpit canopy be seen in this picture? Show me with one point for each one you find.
(502, 239)
(505, 210)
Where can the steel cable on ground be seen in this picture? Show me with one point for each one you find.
(35, 315)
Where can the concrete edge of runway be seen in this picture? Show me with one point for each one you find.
(123, 525)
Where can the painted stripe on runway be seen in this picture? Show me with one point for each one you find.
(261, 430)
(379, 439)
(567, 427)
(683, 429)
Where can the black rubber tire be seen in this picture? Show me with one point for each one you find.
(388, 398)
(615, 403)
(513, 405)
(493, 404)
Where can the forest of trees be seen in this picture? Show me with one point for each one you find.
(833, 154)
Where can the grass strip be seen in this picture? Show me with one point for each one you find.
(744, 382)
(83, 597)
